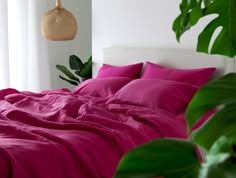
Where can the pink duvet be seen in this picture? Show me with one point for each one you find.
(57, 134)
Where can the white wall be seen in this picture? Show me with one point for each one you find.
(81, 46)
(136, 23)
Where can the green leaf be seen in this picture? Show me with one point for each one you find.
(64, 70)
(167, 158)
(86, 72)
(205, 38)
(195, 14)
(221, 159)
(176, 28)
(214, 93)
(193, 10)
(207, 2)
(77, 72)
(189, 16)
(222, 123)
(69, 81)
(89, 60)
(75, 63)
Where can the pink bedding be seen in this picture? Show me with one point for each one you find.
(58, 134)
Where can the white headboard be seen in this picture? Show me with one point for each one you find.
(178, 58)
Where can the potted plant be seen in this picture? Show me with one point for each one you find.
(82, 70)
(173, 158)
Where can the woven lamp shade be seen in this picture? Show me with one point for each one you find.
(59, 24)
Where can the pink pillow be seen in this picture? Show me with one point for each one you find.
(101, 87)
(131, 71)
(196, 77)
(154, 93)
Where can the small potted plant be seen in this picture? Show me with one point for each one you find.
(80, 70)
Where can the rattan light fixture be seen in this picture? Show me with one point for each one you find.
(59, 24)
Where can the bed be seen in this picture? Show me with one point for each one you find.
(83, 133)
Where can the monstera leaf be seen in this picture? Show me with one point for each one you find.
(220, 92)
(160, 158)
(193, 10)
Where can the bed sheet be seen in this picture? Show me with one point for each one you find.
(63, 135)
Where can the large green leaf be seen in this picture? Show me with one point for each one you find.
(163, 157)
(193, 10)
(75, 63)
(222, 123)
(64, 70)
(221, 159)
(218, 92)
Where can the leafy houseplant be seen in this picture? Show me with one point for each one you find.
(173, 158)
(83, 71)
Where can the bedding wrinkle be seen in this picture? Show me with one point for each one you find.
(5, 166)
(60, 134)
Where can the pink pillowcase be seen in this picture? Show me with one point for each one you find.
(154, 93)
(196, 77)
(101, 87)
(131, 71)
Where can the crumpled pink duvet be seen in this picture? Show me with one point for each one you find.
(57, 134)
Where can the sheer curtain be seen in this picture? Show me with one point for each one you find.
(24, 62)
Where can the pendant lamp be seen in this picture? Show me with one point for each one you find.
(59, 24)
